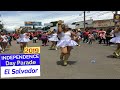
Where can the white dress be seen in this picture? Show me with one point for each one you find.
(49, 36)
(65, 40)
(0, 48)
(116, 39)
(23, 38)
(4, 37)
(53, 37)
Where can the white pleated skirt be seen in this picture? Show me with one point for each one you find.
(53, 39)
(23, 40)
(115, 40)
(64, 43)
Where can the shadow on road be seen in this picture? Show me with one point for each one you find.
(112, 56)
(69, 62)
(7, 49)
(51, 49)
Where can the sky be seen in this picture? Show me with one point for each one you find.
(15, 19)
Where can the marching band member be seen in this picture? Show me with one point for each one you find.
(65, 43)
(116, 40)
(78, 37)
(23, 39)
(44, 38)
(53, 38)
(4, 41)
(1, 39)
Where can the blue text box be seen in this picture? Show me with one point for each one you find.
(19, 59)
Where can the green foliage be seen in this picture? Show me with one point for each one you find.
(1, 26)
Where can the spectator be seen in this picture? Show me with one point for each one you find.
(85, 36)
(102, 37)
(44, 39)
(9, 39)
(34, 37)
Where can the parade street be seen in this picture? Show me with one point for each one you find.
(80, 65)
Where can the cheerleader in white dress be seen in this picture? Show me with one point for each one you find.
(78, 38)
(4, 41)
(23, 40)
(116, 40)
(1, 43)
(65, 43)
(53, 39)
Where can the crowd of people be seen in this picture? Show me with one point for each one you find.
(64, 38)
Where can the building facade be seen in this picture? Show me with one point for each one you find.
(88, 23)
(103, 23)
(98, 24)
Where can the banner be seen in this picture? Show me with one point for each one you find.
(48, 24)
(33, 23)
(103, 23)
(20, 65)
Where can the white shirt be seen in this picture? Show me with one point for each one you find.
(111, 33)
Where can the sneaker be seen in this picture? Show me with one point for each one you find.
(3, 50)
(56, 49)
(115, 54)
(65, 63)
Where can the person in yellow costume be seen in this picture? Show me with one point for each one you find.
(117, 17)
(116, 40)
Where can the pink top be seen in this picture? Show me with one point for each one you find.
(102, 35)
(91, 36)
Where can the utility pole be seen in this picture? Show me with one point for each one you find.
(84, 20)
(116, 12)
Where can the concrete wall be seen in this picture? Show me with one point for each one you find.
(96, 23)
(103, 23)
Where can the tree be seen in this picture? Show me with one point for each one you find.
(1, 26)
(73, 23)
(54, 23)
(45, 28)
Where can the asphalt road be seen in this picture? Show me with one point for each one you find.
(80, 66)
